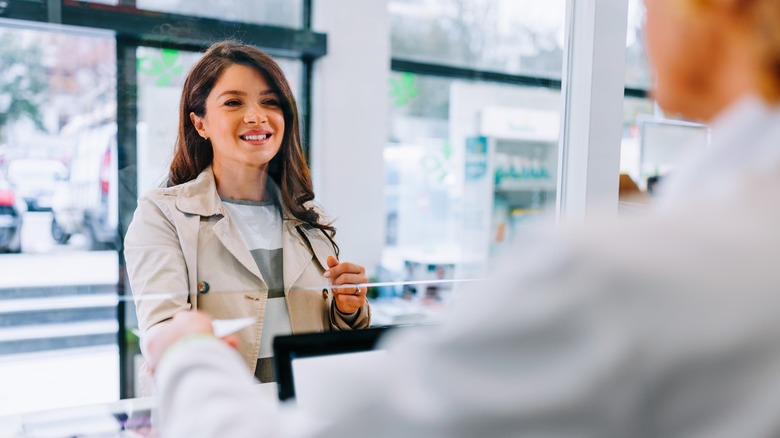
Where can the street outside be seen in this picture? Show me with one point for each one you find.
(59, 378)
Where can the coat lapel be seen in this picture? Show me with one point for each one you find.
(232, 241)
(200, 197)
(319, 244)
(295, 255)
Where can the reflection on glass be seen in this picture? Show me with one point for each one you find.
(58, 182)
(513, 36)
(469, 166)
(288, 13)
(160, 77)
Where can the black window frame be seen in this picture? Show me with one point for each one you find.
(402, 65)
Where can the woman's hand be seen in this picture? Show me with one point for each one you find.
(349, 299)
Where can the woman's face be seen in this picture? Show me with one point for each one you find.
(244, 120)
(682, 47)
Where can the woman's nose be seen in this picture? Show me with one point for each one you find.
(255, 115)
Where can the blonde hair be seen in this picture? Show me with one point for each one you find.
(761, 20)
(764, 19)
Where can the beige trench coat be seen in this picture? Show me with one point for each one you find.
(180, 240)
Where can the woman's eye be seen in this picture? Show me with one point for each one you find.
(233, 103)
(271, 102)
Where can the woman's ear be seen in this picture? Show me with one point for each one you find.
(197, 122)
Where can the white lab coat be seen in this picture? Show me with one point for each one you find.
(666, 326)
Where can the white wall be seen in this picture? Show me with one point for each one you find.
(350, 122)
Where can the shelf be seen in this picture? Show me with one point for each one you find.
(526, 186)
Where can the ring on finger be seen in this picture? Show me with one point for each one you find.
(357, 291)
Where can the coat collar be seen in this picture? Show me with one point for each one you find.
(200, 197)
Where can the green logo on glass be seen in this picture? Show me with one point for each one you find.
(164, 65)
(403, 88)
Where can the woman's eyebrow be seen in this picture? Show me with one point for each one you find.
(242, 93)
(232, 92)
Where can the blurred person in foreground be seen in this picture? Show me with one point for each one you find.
(664, 326)
(236, 232)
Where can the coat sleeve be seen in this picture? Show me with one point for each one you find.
(206, 391)
(358, 320)
(322, 247)
(155, 266)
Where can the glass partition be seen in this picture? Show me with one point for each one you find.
(470, 164)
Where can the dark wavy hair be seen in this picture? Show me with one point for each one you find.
(192, 154)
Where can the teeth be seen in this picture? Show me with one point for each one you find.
(256, 137)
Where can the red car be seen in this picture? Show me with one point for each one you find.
(12, 210)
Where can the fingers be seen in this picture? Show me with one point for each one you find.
(349, 279)
(347, 303)
(332, 261)
(349, 289)
(343, 268)
(350, 298)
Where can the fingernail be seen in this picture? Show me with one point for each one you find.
(327, 273)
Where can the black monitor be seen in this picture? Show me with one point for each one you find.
(290, 347)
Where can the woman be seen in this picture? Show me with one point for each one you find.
(235, 232)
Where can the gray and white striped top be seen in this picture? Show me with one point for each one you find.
(260, 224)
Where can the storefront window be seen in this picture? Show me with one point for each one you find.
(469, 165)
(287, 13)
(637, 67)
(58, 220)
(511, 36)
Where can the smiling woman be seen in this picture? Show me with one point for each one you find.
(245, 125)
(236, 232)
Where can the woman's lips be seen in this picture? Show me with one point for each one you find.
(256, 137)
